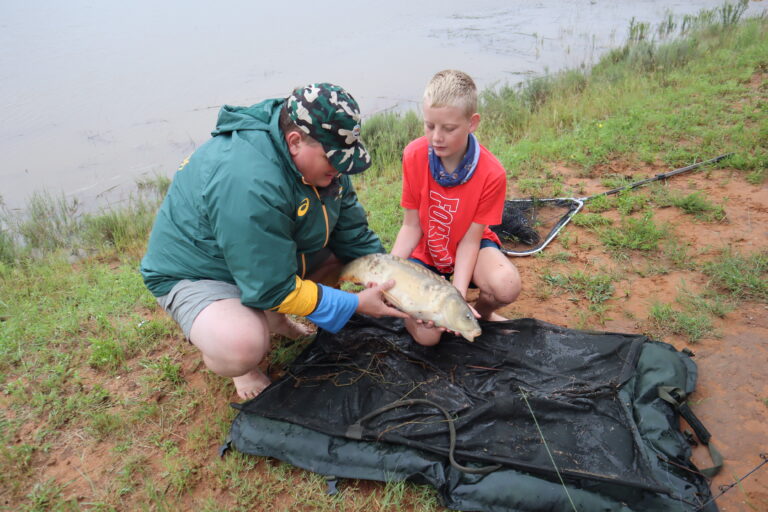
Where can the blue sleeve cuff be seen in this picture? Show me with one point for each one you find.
(334, 309)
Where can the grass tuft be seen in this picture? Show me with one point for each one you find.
(634, 234)
(743, 276)
(695, 204)
(596, 288)
(693, 326)
(387, 135)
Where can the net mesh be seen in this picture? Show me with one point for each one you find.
(530, 223)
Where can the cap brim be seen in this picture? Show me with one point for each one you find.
(350, 162)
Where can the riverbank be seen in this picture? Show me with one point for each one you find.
(103, 406)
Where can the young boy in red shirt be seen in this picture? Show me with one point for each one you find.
(453, 189)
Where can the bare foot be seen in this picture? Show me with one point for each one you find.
(292, 329)
(495, 317)
(251, 384)
(284, 326)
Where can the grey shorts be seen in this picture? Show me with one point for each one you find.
(188, 298)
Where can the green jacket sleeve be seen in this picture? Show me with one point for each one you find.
(251, 218)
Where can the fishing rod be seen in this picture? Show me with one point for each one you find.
(661, 176)
(725, 488)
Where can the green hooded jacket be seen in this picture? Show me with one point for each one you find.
(239, 211)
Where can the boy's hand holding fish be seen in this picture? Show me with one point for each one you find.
(370, 302)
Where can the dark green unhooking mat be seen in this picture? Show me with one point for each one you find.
(572, 419)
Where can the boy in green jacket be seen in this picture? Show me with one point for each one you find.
(254, 219)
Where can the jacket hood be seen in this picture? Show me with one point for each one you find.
(255, 117)
(261, 117)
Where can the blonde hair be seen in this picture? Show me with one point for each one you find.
(452, 88)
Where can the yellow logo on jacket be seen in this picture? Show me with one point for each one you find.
(303, 207)
(184, 163)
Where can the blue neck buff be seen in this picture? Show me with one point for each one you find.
(463, 172)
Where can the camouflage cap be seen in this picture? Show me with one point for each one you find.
(330, 115)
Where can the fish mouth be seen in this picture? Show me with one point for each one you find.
(471, 335)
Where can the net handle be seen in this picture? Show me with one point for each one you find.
(657, 177)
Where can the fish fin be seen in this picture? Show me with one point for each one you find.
(392, 300)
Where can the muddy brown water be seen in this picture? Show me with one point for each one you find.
(97, 95)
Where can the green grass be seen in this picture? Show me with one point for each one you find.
(742, 276)
(600, 204)
(56, 223)
(387, 135)
(695, 204)
(590, 220)
(641, 234)
(693, 326)
(596, 288)
(87, 360)
(629, 202)
(106, 353)
(710, 302)
(693, 315)
(284, 351)
(554, 256)
(46, 496)
(163, 370)
(50, 222)
(679, 254)
(381, 198)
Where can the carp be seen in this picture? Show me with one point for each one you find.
(418, 291)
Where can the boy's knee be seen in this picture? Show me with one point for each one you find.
(506, 289)
(231, 354)
(514, 287)
(246, 347)
(422, 335)
(237, 339)
(427, 341)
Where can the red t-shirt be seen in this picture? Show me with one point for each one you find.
(445, 213)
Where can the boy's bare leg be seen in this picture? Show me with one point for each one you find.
(233, 340)
(423, 335)
(499, 283)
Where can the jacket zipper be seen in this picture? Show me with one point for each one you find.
(325, 214)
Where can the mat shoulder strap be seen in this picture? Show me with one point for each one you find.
(677, 398)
